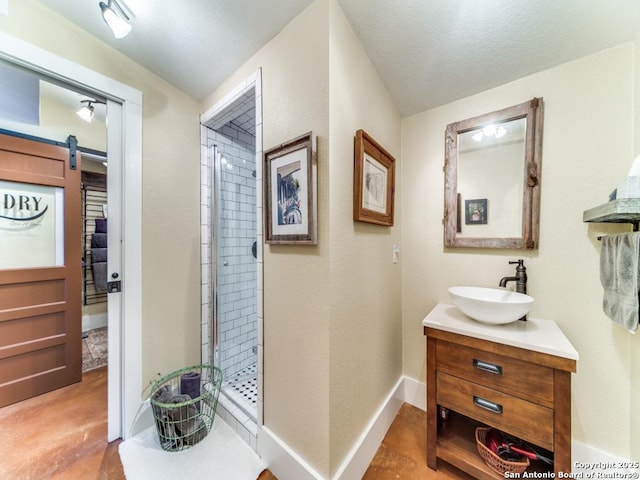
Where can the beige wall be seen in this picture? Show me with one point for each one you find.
(332, 313)
(587, 149)
(295, 96)
(366, 314)
(58, 121)
(170, 263)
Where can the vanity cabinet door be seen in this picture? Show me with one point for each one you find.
(515, 377)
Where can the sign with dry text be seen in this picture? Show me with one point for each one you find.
(31, 225)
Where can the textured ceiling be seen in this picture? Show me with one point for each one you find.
(427, 52)
(193, 44)
(432, 52)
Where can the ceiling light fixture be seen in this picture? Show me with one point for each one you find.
(86, 112)
(116, 18)
(490, 131)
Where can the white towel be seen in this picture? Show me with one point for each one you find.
(619, 271)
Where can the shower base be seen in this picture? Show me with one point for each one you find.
(238, 404)
(242, 389)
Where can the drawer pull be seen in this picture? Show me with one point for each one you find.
(487, 367)
(487, 404)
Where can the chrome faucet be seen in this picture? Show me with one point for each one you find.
(520, 278)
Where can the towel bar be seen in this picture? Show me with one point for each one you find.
(635, 229)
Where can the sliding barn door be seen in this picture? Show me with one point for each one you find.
(40, 269)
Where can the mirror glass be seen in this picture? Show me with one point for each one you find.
(492, 179)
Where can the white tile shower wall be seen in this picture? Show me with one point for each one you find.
(247, 91)
(237, 281)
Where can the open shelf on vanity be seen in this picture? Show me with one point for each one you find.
(456, 445)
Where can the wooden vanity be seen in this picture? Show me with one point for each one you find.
(515, 377)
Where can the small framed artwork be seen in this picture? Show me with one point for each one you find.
(475, 211)
(373, 182)
(290, 192)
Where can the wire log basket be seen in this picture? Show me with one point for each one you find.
(184, 405)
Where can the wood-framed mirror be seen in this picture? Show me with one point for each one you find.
(492, 179)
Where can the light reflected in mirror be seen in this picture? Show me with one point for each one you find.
(492, 179)
(487, 171)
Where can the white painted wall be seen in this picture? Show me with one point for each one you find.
(588, 146)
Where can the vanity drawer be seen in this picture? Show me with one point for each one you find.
(515, 377)
(523, 419)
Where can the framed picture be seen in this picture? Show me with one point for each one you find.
(373, 181)
(475, 211)
(290, 192)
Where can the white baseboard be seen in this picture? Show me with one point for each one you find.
(365, 448)
(90, 322)
(415, 393)
(285, 463)
(588, 459)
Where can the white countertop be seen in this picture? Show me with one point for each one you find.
(535, 334)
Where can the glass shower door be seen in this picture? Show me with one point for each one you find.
(235, 271)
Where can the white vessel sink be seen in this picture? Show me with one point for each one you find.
(495, 306)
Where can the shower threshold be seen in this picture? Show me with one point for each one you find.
(237, 404)
(242, 389)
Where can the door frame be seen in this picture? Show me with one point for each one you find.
(124, 141)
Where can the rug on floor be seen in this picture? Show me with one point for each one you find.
(221, 455)
(94, 349)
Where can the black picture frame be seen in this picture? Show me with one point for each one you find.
(475, 211)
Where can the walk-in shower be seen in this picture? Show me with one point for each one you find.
(230, 256)
(234, 265)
